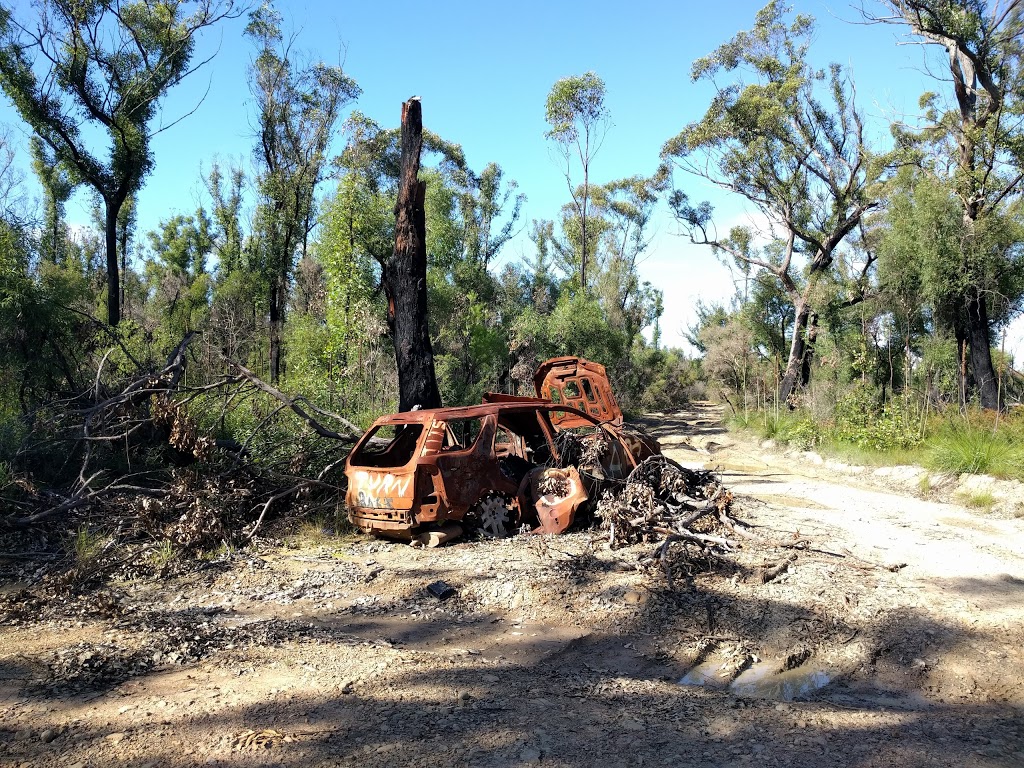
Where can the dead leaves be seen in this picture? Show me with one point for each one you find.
(184, 433)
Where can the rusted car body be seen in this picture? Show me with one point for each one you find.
(572, 381)
(499, 465)
(580, 384)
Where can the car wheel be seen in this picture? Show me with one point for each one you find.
(496, 516)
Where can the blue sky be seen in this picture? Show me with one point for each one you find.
(483, 71)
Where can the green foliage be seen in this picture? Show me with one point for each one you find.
(577, 326)
(179, 286)
(730, 358)
(45, 341)
(782, 426)
(577, 116)
(101, 65)
(354, 226)
(298, 109)
(574, 106)
(860, 420)
(976, 446)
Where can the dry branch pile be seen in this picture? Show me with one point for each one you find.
(152, 460)
(662, 499)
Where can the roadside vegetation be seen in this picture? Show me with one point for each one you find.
(955, 443)
(869, 317)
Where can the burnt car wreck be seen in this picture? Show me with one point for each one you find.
(508, 464)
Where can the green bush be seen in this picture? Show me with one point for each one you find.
(858, 420)
(787, 427)
(803, 434)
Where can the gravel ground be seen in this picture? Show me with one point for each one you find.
(893, 638)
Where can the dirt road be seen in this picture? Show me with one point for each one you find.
(899, 627)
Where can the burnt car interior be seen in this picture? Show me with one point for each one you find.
(389, 445)
(520, 444)
(461, 434)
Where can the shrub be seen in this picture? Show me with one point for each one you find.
(860, 421)
(978, 500)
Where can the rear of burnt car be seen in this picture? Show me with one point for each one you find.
(381, 473)
(424, 468)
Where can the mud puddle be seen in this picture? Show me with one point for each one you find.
(762, 680)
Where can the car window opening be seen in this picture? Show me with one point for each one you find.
(388, 445)
(588, 390)
(461, 434)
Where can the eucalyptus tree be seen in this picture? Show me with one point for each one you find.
(298, 108)
(578, 120)
(177, 272)
(225, 187)
(469, 217)
(543, 283)
(976, 125)
(81, 65)
(790, 142)
(625, 207)
(239, 290)
(483, 202)
(355, 235)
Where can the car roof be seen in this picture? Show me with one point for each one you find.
(475, 411)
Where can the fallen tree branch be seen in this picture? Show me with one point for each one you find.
(770, 572)
(671, 536)
(80, 500)
(293, 403)
(269, 502)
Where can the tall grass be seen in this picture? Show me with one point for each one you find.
(976, 443)
(967, 447)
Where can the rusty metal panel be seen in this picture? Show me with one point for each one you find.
(554, 495)
(580, 384)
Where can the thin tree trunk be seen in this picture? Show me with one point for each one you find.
(123, 237)
(797, 347)
(406, 274)
(276, 321)
(583, 228)
(113, 275)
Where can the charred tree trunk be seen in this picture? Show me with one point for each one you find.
(276, 312)
(113, 275)
(405, 274)
(983, 372)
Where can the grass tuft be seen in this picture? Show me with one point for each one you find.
(87, 545)
(978, 499)
(968, 449)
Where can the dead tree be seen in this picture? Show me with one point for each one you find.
(405, 274)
